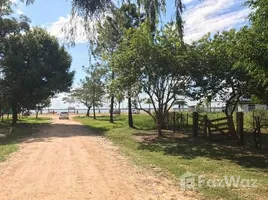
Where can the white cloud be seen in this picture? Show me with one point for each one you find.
(65, 25)
(206, 16)
(212, 16)
(19, 11)
(187, 1)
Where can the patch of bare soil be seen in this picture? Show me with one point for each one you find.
(65, 161)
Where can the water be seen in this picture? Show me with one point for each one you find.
(81, 111)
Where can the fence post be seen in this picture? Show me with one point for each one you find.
(174, 121)
(205, 125)
(195, 124)
(240, 127)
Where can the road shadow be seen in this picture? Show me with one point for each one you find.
(190, 148)
(44, 132)
(19, 132)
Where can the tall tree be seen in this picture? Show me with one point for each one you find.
(217, 71)
(41, 105)
(92, 89)
(253, 47)
(157, 69)
(80, 95)
(94, 81)
(34, 67)
(110, 33)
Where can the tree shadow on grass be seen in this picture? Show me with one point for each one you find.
(20, 132)
(141, 129)
(190, 148)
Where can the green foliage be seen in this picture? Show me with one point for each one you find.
(34, 67)
(217, 72)
(250, 124)
(154, 66)
(5, 6)
(41, 105)
(259, 16)
(253, 47)
(92, 89)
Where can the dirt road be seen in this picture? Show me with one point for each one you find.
(65, 161)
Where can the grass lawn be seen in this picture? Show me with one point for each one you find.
(25, 127)
(179, 153)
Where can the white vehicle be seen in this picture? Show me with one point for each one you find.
(64, 115)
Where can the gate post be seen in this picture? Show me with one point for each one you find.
(206, 125)
(240, 127)
(195, 124)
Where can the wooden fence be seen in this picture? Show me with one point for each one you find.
(260, 140)
(177, 121)
(220, 128)
(223, 128)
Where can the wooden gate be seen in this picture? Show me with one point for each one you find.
(202, 125)
(221, 127)
(176, 121)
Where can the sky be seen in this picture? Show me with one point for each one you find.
(200, 17)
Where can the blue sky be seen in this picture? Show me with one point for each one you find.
(200, 17)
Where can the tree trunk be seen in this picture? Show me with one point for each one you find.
(119, 107)
(88, 109)
(226, 109)
(41, 111)
(112, 103)
(36, 116)
(112, 110)
(14, 113)
(94, 112)
(130, 118)
(159, 130)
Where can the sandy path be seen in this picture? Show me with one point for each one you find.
(65, 161)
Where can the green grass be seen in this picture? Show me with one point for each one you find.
(180, 153)
(6, 149)
(102, 123)
(25, 127)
